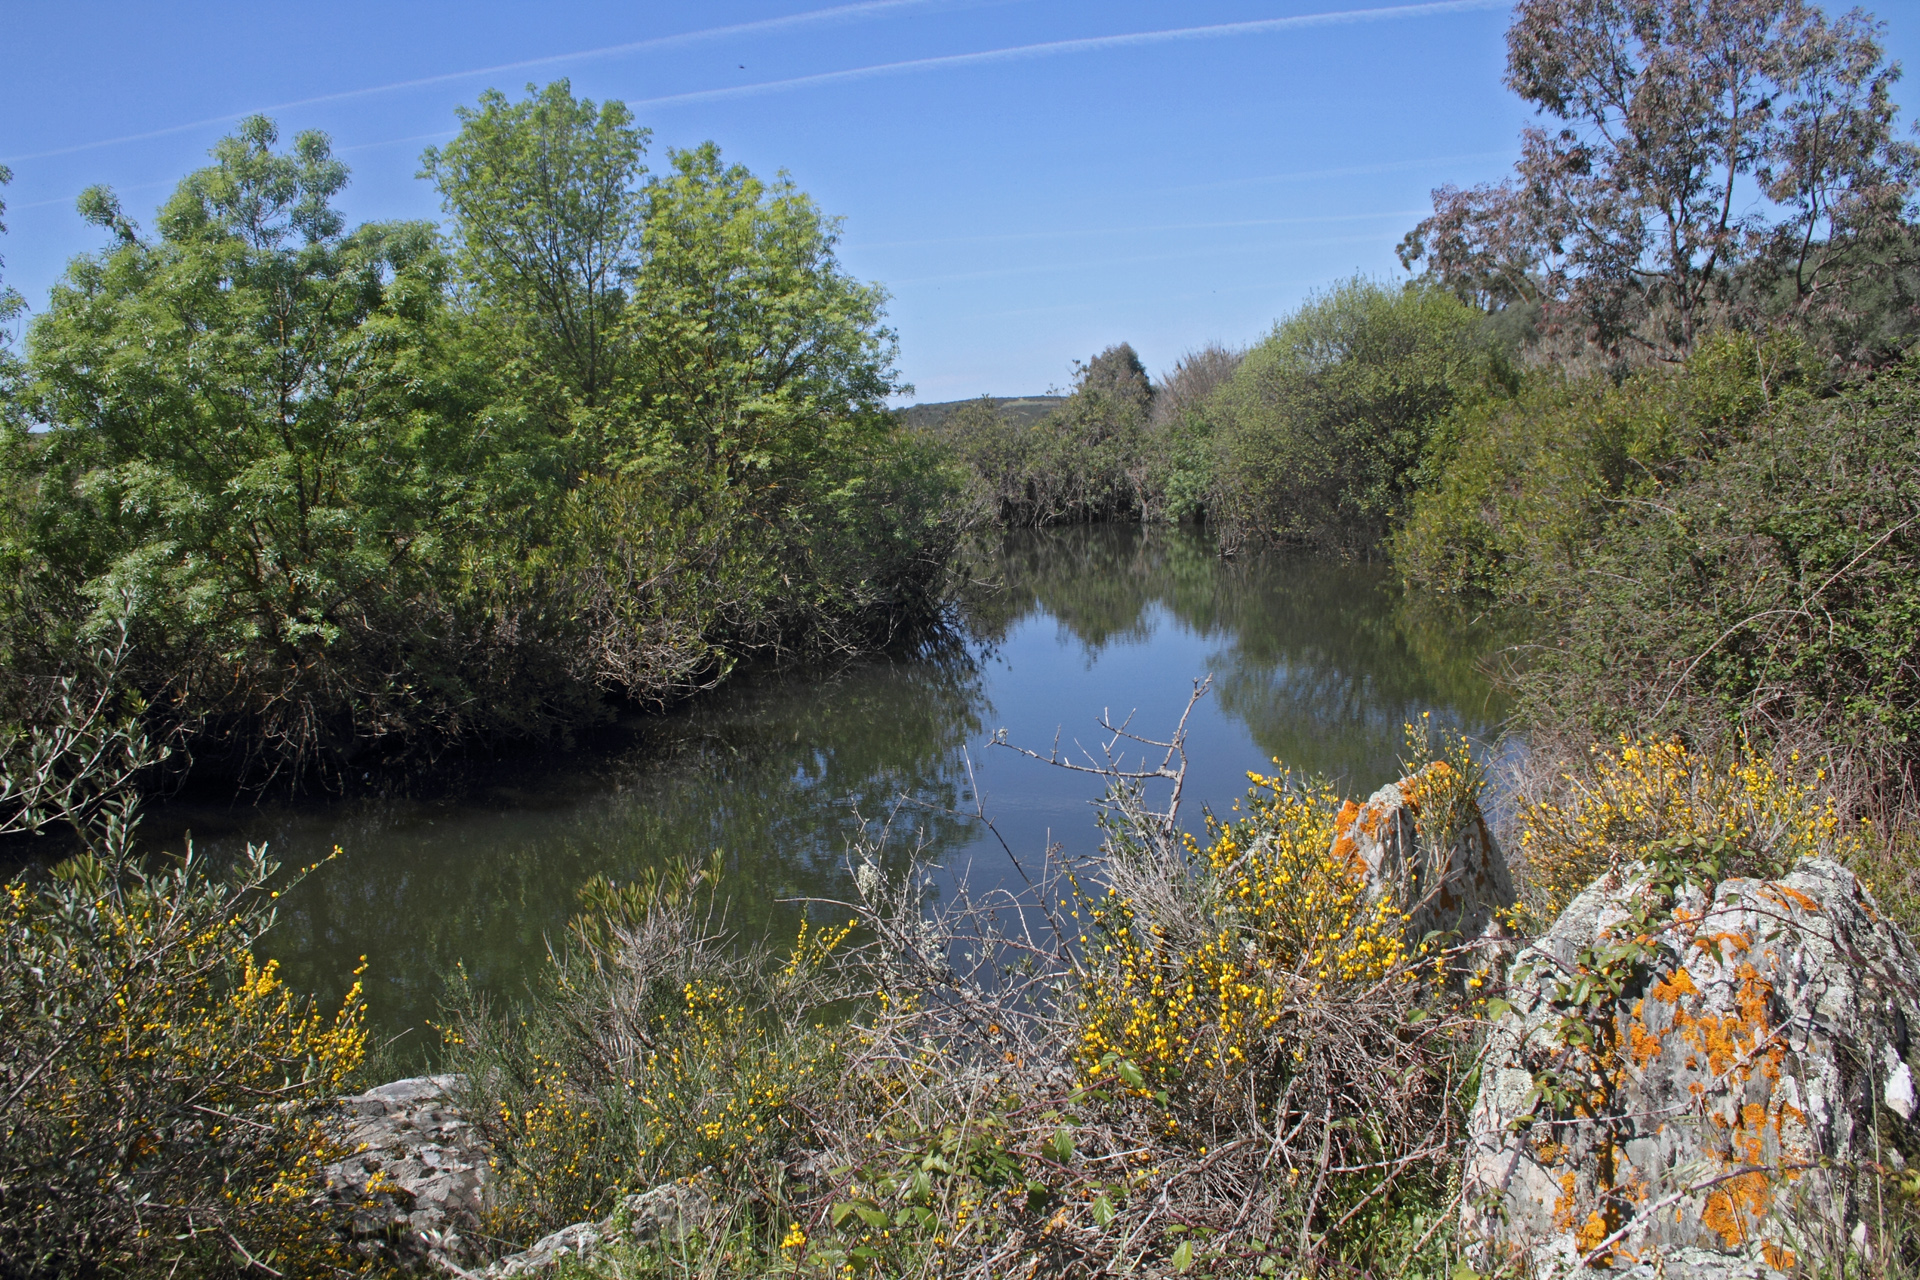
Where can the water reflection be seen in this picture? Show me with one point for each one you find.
(1314, 662)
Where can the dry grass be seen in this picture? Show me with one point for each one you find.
(963, 1088)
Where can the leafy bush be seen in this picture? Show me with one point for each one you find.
(1327, 427)
(373, 494)
(158, 1078)
(1772, 587)
(1091, 459)
(1525, 485)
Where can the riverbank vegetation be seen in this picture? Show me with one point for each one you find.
(1666, 445)
(365, 494)
(1222, 1057)
(319, 500)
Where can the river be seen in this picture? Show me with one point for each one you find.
(1315, 662)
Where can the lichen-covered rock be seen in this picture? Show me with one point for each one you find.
(413, 1182)
(1757, 1050)
(672, 1211)
(1424, 841)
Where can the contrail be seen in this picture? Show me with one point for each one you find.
(1090, 44)
(838, 13)
(1078, 232)
(1183, 255)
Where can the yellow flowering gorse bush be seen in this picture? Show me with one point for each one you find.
(1285, 917)
(1642, 792)
(161, 1076)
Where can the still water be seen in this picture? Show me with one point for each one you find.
(1317, 663)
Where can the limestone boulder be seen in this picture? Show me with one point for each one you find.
(1424, 843)
(673, 1211)
(412, 1184)
(1714, 1115)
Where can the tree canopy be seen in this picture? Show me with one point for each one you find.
(1711, 157)
(369, 491)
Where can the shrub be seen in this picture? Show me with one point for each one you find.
(1326, 428)
(654, 1050)
(1639, 794)
(1525, 485)
(159, 1077)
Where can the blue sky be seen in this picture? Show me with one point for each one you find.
(1029, 187)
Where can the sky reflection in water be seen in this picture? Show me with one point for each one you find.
(1317, 663)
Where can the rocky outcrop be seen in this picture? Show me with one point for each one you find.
(672, 1212)
(1423, 841)
(412, 1184)
(1669, 1089)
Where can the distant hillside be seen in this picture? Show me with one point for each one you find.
(1023, 410)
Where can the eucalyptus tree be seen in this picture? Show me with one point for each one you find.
(1704, 149)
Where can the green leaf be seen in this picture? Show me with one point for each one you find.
(1183, 1258)
(1102, 1210)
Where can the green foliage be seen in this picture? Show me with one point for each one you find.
(1774, 586)
(1529, 482)
(368, 494)
(253, 440)
(548, 215)
(157, 1077)
(1327, 427)
(1093, 458)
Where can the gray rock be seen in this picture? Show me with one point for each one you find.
(1759, 1054)
(1443, 868)
(673, 1212)
(413, 1186)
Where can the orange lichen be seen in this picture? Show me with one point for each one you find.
(1727, 944)
(1669, 990)
(1731, 1205)
(1345, 848)
(1787, 895)
(1644, 1043)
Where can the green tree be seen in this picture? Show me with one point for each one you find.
(1326, 428)
(11, 307)
(547, 212)
(11, 303)
(245, 419)
(757, 349)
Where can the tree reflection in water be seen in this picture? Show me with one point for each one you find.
(1316, 662)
